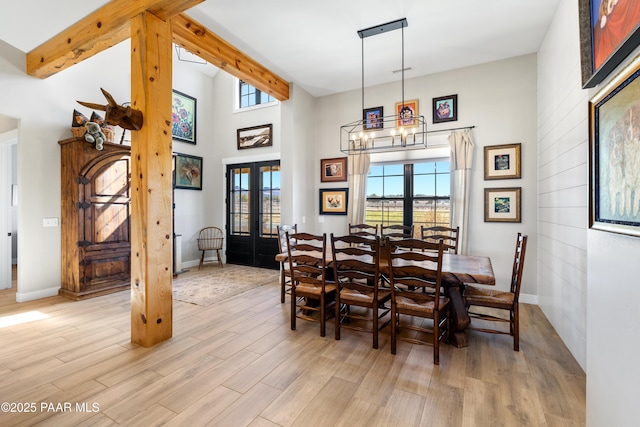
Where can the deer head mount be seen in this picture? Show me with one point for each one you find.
(117, 115)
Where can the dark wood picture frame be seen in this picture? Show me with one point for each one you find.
(502, 161)
(445, 109)
(503, 204)
(334, 201)
(614, 154)
(183, 117)
(372, 118)
(597, 62)
(187, 172)
(255, 136)
(333, 170)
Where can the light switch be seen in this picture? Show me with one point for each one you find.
(50, 222)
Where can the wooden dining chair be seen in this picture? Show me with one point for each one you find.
(397, 231)
(365, 230)
(285, 273)
(356, 265)
(416, 264)
(476, 296)
(210, 239)
(311, 292)
(448, 235)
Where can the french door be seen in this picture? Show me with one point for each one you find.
(253, 213)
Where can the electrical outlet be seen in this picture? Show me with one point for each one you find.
(50, 222)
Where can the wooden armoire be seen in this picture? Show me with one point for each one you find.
(96, 246)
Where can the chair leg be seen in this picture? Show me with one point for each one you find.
(436, 339)
(516, 328)
(394, 326)
(283, 283)
(374, 310)
(337, 315)
(322, 316)
(219, 258)
(201, 260)
(293, 308)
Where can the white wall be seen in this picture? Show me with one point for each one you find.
(499, 98)
(588, 279)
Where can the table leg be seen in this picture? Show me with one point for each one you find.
(459, 321)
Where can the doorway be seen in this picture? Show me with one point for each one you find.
(8, 202)
(253, 213)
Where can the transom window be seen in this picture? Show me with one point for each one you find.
(249, 96)
(412, 193)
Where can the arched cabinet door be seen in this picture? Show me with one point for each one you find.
(96, 219)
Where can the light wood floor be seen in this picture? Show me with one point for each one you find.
(238, 363)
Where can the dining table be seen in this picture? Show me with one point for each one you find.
(457, 270)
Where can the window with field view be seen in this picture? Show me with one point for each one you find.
(412, 193)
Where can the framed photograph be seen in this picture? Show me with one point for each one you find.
(373, 118)
(188, 172)
(502, 204)
(256, 136)
(333, 170)
(445, 109)
(407, 113)
(502, 161)
(614, 184)
(183, 117)
(333, 201)
(609, 32)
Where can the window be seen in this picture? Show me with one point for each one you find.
(249, 96)
(413, 193)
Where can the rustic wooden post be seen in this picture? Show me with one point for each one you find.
(151, 159)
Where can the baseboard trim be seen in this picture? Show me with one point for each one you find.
(30, 296)
(529, 299)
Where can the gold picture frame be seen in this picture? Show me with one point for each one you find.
(502, 161)
(502, 204)
(407, 114)
(333, 201)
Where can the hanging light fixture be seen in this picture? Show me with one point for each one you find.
(405, 130)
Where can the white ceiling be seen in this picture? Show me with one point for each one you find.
(315, 43)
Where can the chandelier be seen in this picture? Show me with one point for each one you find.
(405, 130)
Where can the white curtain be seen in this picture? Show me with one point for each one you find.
(461, 165)
(358, 170)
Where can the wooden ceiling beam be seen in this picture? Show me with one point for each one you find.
(106, 27)
(199, 40)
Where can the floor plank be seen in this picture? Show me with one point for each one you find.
(238, 362)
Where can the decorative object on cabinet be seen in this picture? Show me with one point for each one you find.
(502, 161)
(502, 204)
(256, 136)
(614, 202)
(391, 132)
(445, 109)
(183, 117)
(117, 115)
(609, 32)
(333, 170)
(333, 201)
(373, 118)
(95, 228)
(188, 172)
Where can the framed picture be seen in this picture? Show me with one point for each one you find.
(256, 136)
(407, 113)
(609, 32)
(183, 117)
(333, 201)
(614, 183)
(502, 161)
(188, 172)
(372, 118)
(502, 204)
(445, 109)
(333, 170)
